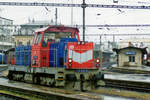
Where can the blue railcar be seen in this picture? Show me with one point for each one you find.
(27, 55)
(23, 55)
(2, 58)
(17, 55)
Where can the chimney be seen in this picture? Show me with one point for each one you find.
(130, 44)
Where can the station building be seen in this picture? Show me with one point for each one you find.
(130, 56)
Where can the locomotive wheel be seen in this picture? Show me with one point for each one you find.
(28, 77)
(81, 82)
(44, 79)
(10, 75)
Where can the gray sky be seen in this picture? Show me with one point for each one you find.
(20, 15)
(107, 15)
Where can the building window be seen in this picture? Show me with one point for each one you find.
(131, 58)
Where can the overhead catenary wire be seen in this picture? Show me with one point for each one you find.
(143, 34)
(106, 25)
(72, 5)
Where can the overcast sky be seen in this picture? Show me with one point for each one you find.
(94, 16)
(106, 15)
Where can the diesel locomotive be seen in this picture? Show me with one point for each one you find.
(57, 58)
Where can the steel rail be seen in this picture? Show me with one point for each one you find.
(34, 94)
(128, 71)
(117, 34)
(129, 85)
(6, 95)
(32, 91)
(100, 26)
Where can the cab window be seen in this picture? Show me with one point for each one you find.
(34, 40)
(38, 39)
(76, 36)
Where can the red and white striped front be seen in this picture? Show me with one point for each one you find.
(80, 55)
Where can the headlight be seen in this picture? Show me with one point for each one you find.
(83, 42)
(97, 60)
(78, 43)
(70, 60)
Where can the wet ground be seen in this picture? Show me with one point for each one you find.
(106, 65)
(3, 65)
(3, 97)
(59, 91)
(105, 97)
(142, 68)
(130, 77)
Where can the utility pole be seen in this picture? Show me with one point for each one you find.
(100, 51)
(56, 16)
(83, 6)
(114, 41)
(100, 42)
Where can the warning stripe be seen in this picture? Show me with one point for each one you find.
(81, 57)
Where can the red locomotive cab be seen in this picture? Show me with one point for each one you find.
(40, 54)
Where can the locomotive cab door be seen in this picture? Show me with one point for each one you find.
(40, 51)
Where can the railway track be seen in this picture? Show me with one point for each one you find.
(129, 85)
(3, 68)
(22, 90)
(36, 92)
(25, 94)
(6, 96)
(25, 91)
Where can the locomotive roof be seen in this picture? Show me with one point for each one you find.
(60, 27)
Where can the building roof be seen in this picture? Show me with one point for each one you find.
(144, 51)
(23, 35)
(38, 23)
(11, 49)
(6, 18)
(58, 28)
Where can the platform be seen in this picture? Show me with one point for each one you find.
(130, 70)
(3, 65)
(129, 77)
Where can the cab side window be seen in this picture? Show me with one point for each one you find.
(76, 36)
